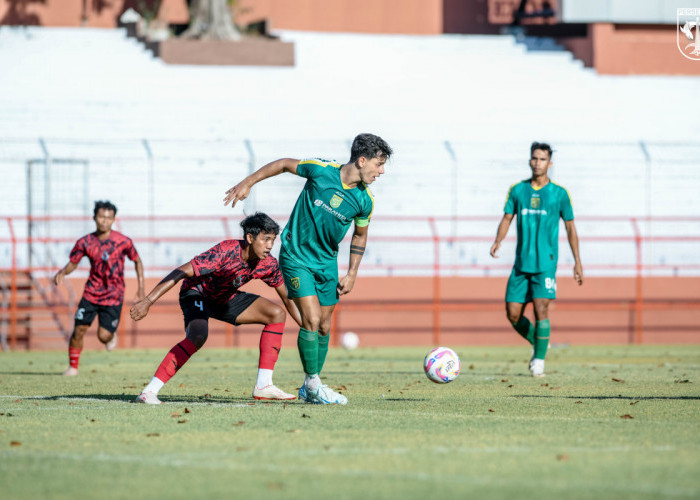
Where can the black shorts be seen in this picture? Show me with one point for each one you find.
(194, 305)
(108, 315)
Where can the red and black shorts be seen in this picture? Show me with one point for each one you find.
(108, 315)
(194, 305)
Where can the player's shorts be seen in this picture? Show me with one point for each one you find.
(194, 305)
(302, 281)
(108, 315)
(523, 287)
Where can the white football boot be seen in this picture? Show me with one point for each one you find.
(271, 392)
(112, 343)
(537, 367)
(147, 397)
(70, 372)
(324, 395)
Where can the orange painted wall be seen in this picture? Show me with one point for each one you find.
(484, 323)
(70, 13)
(361, 16)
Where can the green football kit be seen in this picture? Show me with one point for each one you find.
(319, 221)
(538, 211)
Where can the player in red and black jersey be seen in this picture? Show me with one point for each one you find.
(211, 290)
(104, 291)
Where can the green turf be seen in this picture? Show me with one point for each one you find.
(493, 433)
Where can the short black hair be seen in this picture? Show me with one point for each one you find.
(370, 146)
(106, 205)
(258, 223)
(542, 146)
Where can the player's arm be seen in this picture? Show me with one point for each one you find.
(572, 236)
(140, 309)
(501, 233)
(67, 269)
(358, 243)
(138, 265)
(289, 303)
(241, 190)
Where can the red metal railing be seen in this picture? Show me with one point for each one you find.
(438, 270)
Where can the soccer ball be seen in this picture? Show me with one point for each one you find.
(442, 365)
(350, 340)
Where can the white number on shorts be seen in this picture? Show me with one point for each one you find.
(199, 304)
(550, 283)
(80, 313)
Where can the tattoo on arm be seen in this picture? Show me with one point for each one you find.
(357, 249)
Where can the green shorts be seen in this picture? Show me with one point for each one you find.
(302, 281)
(523, 287)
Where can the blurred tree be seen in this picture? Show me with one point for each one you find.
(211, 20)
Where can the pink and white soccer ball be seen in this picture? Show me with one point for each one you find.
(442, 365)
(350, 340)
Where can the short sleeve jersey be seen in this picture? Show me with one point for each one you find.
(323, 214)
(538, 212)
(105, 285)
(220, 272)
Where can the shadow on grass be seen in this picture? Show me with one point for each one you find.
(30, 373)
(631, 398)
(129, 398)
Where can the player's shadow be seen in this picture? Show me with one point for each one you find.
(631, 398)
(129, 398)
(29, 373)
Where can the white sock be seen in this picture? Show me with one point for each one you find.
(312, 381)
(264, 378)
(154, 385)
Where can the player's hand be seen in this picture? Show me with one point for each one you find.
(58, 278)
(578, 274)
(346, 284)
(237, 193)
(139, 310)
(140, 295)
(494, 248)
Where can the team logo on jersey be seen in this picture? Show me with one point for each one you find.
(336, 201)
(295, 282)
(535, 202)
(105, 255)
(688, 30)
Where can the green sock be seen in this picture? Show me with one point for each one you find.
(322, 350)
(307, 342)
(541, 339)
(525, 329)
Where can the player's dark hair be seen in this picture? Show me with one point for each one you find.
(106, 205)
(543, 146)
(259, 223)
(370, 146)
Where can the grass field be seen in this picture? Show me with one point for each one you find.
(606, 422)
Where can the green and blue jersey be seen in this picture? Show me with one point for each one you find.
(538, 211)
(323, 214)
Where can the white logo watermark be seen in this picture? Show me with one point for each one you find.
(688, 32)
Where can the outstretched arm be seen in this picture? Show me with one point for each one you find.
(140, 309)
(358, 243)
(139, 278)
(289, 303)
(572, 236)
(241, 190)
(67, 269)
(501, 234)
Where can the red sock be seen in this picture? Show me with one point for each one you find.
(74, 356)
(174, 360)
(270, 345)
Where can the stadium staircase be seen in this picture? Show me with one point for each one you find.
(39, 307)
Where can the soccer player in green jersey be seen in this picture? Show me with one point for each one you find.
(333, 197)
(539, 203)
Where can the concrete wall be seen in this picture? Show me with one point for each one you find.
(628, 49)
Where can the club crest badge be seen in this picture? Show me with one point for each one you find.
(535, 202)
(688, 32)
(295, 282)
(336, 201)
